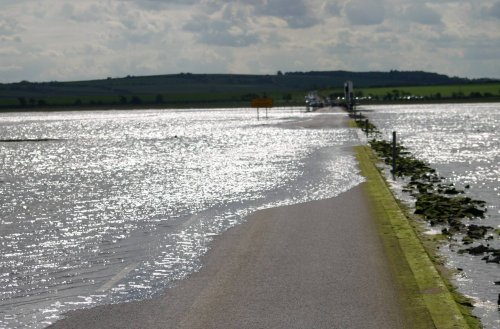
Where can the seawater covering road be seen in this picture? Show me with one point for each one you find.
(319, 264)
(101, 207)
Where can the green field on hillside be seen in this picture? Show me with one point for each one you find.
(449, 91)
(236, 90)
(459, 91)
(167, 100)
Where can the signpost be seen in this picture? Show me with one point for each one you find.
(258, 103)
(394, 154)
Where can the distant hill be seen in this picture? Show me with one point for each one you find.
(161, 88)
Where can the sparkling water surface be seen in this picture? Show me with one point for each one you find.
(462, 142)
(109, 206)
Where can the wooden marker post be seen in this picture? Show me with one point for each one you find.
(394, 153)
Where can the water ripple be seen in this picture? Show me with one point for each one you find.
(125, 202)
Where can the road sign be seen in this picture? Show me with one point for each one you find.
(262, 102)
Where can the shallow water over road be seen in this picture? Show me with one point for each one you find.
(100, 207)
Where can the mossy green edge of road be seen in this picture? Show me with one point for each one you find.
(426, 296)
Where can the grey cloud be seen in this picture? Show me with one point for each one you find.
(333, 8)
(421, 13)
(91, 13)
(123, 24)
(16, 38)
(495, 10)
(360, 12)
(295, 12)
(220, 33)
(9, 26)
(32, 69)
(172, 36)
(228, 27)
(162, 4)
(487, 49)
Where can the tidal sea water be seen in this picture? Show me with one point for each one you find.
(462, 142)
(111, 206)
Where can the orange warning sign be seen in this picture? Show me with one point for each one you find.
(262, 102)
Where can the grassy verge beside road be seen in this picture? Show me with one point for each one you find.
(430, 299)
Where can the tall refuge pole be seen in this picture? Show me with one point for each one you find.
(349, 95)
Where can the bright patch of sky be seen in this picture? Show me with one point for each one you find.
(45, 40)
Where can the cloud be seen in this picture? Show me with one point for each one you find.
(9, 51)
(486, 52)
(422, 14)
(230, 26)
(156, 3)
(10, 38)
(333, 8)
(495, 10)
(9, 26)
(83, 12)
(296, 13)
(10, 68)
(220, 33)
(162, 4)
(72, 40)
(360, 12)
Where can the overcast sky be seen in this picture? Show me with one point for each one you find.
(46, 40)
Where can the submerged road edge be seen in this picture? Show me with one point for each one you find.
(429, 301)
